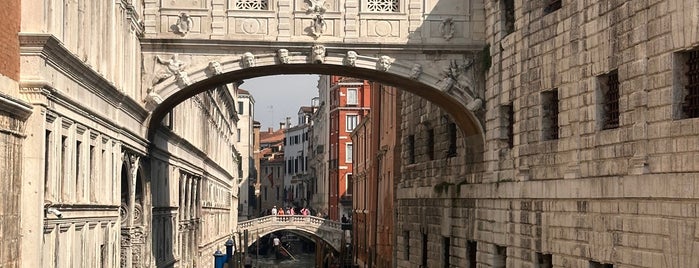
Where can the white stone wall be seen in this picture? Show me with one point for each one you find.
(244, 145)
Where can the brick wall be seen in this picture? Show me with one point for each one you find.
(9, 43)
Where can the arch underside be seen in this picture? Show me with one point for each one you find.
(458, 92)
(254, 236)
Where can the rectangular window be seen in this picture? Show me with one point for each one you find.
(686, 90)
(239, 135)
(423, 260)
(508, 14)
(543, 260)
(296, 165)
(471, 251)
(549, 118)
(451, 152)
(48, 183)
(241, 108)
(352, 96)
(252, 4)
(500, 257)
(552, 6)
(609, 99)
(382, 5)
(508, 115)
(430, 143)
(351, 122)
(64, 167)
(349, 184)
(411, 149)
(406, 244)
(446, 246)
(348, 152)
(594, 264)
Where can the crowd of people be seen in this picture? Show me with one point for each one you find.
(290, 210)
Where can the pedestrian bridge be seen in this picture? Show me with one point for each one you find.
(327, 230)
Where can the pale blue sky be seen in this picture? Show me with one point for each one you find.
(279, 96)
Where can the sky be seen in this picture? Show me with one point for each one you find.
(279, 96)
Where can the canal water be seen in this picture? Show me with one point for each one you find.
(303, 260)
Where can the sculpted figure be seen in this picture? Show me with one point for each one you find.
(384, 63)
(248, 60)
(183, 24)
(174, 66)
(318, 54)
(317, 6)
(318, 26)
(283, 55)
(215, 67)
(448, 79)
(351, 58)
(416, 71)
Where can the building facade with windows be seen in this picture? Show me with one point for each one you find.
(272, 168)
(245, 109)
(349, 101)
(319, 148)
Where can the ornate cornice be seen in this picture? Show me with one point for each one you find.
(18, 108)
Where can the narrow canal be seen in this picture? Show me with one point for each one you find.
(302, 260)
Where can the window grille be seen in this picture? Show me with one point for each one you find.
(411, 149)
(451, 151)
(690, 107)
(382, 5)
(509, 15)
(509, 114)
(251, 4)
(430, 143)
(550, 114)
(611, 101)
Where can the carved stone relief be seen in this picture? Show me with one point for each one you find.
(416, 71)
(248, 60)
(318, 26)
(283, 56)
(384, 63)
(174, 66)
(183, 24)
(447, 28)
(316, 6)
(351, 58)
(318, 54)
(215, 67)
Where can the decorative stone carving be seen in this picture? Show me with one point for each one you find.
(283, 55)
(316, 6)
(351, 58)
(152, 97)
(174, 66)
(183, 24)
(384, 63)
(318, 54)
(248, 60)
(215, 67)
(183, 79)
(474, 105)
(449, 75)
(447, 28)
(318, 26)
(416, 71)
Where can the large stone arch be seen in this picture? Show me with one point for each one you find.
(446, 80)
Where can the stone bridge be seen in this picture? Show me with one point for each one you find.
(431, 48)
(327, 230)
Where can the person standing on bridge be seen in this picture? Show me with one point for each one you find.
(274, 210)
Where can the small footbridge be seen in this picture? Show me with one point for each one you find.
(327, 230)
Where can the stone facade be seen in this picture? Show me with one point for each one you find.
(560, 185)
(246, 114)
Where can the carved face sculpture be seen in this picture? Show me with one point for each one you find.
(248, 60)
(384, 63)
(215, 67)
(416, 71)
(351, 58)
(318, 54)
(283, 55)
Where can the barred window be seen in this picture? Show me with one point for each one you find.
(252, 4)
(382, 5)
(549, 120)
(609, 91)
(690, 105)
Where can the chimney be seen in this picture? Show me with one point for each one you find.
(281, 125)
(270, 130)
(288, 122)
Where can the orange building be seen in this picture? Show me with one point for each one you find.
(377, 155)
(349, 103)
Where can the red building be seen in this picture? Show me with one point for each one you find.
(349, 102)
(377, 154)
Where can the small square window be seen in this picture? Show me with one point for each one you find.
(609, 100)
(686, 84)
(549, 118)
(543, 260)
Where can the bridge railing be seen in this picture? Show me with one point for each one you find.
(288, 219)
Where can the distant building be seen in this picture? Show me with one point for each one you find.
(377, 156)
(319, 146)
(272, 168)
(245, 108)
(349, 102)
(296, 156)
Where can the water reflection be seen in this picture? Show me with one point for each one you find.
(303, 260)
